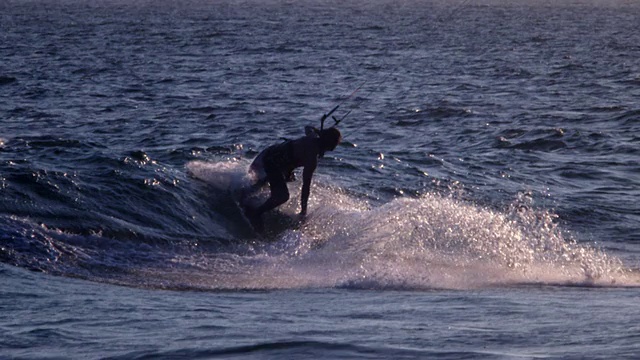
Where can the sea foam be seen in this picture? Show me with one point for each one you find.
(425, 242)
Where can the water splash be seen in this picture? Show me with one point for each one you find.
(441, 242)
(432, 241)
(428, 242)
(223, 175)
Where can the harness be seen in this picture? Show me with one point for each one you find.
(280, 157)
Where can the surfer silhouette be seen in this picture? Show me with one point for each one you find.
(275, 165)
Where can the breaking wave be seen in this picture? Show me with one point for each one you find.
(428, 242)
(409, 243)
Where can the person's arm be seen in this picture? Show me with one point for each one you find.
(307, 174)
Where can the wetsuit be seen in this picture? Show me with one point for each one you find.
(275, 164)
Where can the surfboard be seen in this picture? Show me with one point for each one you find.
(272, 223)
(257, 224)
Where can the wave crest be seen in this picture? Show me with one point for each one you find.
(416, 243)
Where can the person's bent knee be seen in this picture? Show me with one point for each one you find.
(281, 198)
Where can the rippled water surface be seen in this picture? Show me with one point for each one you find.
(484, 202)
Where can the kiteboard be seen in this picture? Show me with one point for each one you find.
(268, 225)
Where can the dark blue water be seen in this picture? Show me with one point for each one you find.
(484, 203)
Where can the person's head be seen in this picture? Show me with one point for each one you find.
(329, 139)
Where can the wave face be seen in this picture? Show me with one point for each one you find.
(424, 242)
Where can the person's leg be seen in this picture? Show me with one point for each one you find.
(246, 193)
(279, 193)
(257, 177)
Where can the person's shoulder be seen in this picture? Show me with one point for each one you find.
(307, 147)
(311, 131)
(309, 141)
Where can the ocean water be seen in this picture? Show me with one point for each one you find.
(485, 202)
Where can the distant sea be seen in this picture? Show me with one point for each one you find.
(484, 204)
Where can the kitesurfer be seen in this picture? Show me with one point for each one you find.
(276, 163)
